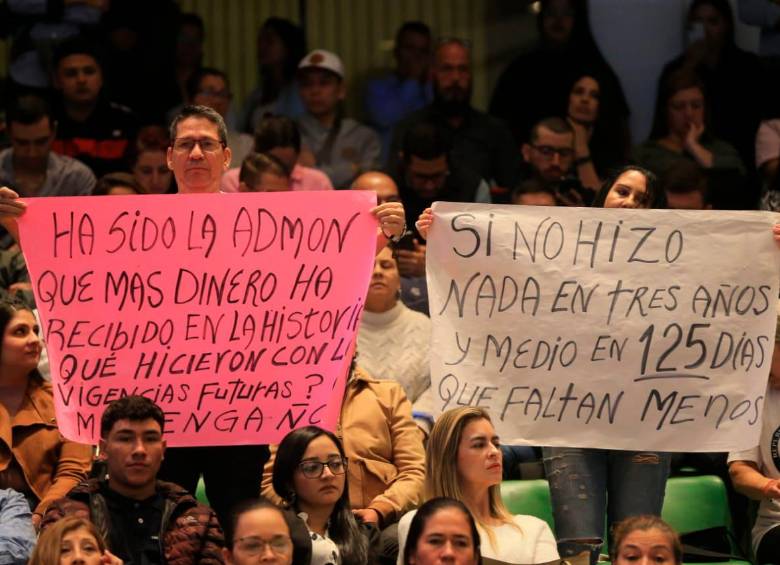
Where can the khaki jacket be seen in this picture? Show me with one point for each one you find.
(384, 447)
(51, 464)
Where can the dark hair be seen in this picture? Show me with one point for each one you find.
(113, 180)
(671, 84)
(193, 83)
(610, 140)
(294, 40)
(277, 131)
(77, 45)
(553, 123)
(191, 19)
(149, 138)
(343, 529)
(644, 523)
(255, 165)
(532, 186)
(722, 6)
(242, 508)
(425, 141)
(194, 111)
(425, 512)
(29, 110)
(684, 177)
(655, 197)
(133, 408)
(412, 27)
(9, 307)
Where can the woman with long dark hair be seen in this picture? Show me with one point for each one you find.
(582, 480)
(601, 134)
(310, 475)
(37, 461)
(681, 129)
(280, 46)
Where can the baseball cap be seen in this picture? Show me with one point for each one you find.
(321, 59)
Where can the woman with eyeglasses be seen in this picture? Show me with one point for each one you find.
(310, 474)
(260, 533)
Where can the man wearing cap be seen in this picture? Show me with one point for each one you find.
(340, 147)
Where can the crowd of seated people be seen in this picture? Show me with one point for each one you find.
(391, 484)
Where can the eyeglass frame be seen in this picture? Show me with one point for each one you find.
(264, 543)
(343, 460)
(548, 151)
(197, 142)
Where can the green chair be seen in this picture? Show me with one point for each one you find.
(697, 503)
(528, 497)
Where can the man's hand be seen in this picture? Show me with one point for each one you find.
(411, 263)
(368, 515)
(10, 205)
(392, 218)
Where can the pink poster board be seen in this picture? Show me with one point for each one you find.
(236, 313)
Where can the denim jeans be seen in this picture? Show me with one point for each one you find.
(584, 483)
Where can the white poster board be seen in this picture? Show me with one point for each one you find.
(622, 329)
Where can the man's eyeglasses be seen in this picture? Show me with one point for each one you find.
(548, 151)
(253, 545)
(313, 469)
(207, 145)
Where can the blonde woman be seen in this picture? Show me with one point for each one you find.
(463, 461)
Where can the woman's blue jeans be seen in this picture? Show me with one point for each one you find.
(587, 483)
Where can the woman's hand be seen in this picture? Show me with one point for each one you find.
(424, 222)
(776, 233)
(392, 218)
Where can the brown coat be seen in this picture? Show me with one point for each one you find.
(190, 532)
(51, 464)
(384, 447)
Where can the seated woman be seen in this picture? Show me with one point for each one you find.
(464, 462)
(645, 539)
(680, 130)
(442, 530)
(259, 533)
(262, 173)
(117, 184)
(71, 541)
(393, 340)
(384, 447)
(601, 136)
(310, 474)
(35, 459)
(148, 161)
(755, 473)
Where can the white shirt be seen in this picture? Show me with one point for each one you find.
(395, 345)
(767, 456)
(529, 540)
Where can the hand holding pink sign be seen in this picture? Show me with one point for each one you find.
(235, 313)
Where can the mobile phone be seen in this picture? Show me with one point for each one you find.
(406, 242)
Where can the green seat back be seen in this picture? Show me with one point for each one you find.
(696, 503)
(528, 497)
